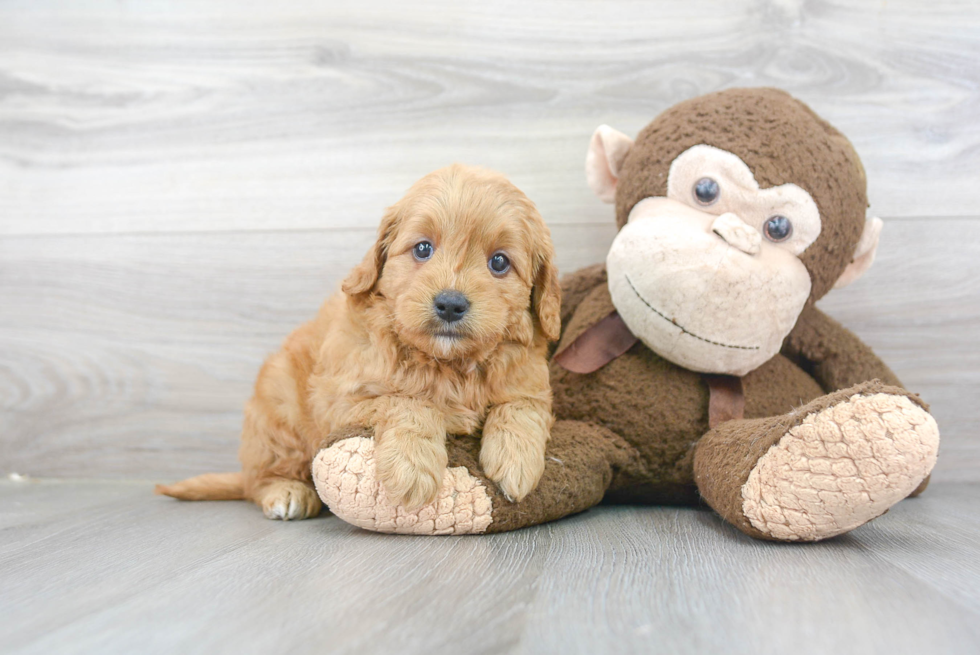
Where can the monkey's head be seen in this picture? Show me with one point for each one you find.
(736, 210)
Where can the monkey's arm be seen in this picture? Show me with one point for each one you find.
(832, 354)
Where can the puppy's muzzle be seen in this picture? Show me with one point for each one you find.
(450, 305)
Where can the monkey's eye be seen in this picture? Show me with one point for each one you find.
(498, 263)
(778, 228)
(706, 191)
(423, 250)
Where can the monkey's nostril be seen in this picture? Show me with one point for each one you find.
(451, 305)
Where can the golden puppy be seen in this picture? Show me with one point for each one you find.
(442, 329)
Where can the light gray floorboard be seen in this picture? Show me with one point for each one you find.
(131, 356)
(182, 184)
(106, 567)
(222, 114)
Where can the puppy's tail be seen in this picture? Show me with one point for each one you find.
(210, 486)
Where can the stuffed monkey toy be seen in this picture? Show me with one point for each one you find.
(694, 365)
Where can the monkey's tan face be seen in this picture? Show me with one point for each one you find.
(710, 277)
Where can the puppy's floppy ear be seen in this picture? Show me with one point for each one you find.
(546, 294)
(364, 276)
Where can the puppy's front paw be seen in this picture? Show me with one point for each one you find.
(410, 469)
(513, 461)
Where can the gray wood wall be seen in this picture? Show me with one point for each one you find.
(182, 185)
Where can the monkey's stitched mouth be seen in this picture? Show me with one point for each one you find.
(681, 327)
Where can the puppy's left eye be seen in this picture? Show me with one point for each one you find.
(423, 250)
(499, 264)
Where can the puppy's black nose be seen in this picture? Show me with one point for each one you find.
(451, 305)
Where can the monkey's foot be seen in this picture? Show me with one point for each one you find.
(345, 478)
(840, 467)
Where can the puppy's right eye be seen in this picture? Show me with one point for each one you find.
(423, 250)
(499, 264)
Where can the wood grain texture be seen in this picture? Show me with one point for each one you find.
(108, 568)
(132, 356)
(180, 186)
(155, 117)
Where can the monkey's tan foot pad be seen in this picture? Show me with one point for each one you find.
(841, 467)
(344, 475)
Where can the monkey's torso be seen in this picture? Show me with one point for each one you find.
(656, 406)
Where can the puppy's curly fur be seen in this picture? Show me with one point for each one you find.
(378, 354)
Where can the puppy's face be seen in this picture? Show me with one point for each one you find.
(463, 262)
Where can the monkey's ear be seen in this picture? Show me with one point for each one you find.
(864, 253)
(364, 276)
(607, 150)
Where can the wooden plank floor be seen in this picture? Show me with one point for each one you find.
(131, 356)
(181, 184)
(105, 567)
